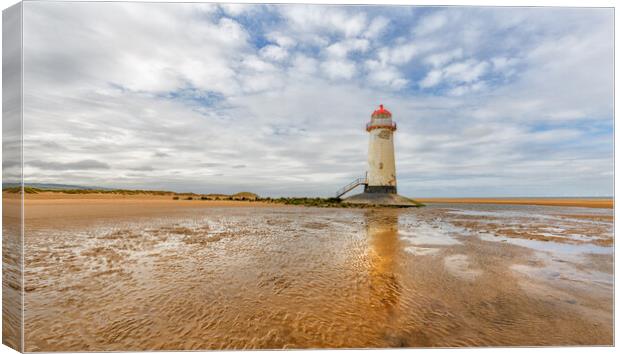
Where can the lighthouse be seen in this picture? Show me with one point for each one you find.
(381, 177)
(380, 180)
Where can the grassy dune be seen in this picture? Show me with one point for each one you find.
(137, 192)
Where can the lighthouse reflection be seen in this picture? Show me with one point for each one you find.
(384, 245)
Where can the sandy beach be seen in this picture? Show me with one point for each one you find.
(152, 273)
(568, 202)
(49, 205)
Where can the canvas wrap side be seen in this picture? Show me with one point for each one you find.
(12, 176)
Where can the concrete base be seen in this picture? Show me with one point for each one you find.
(380, 189)
(381, 199)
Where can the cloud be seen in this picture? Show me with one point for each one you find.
(432, 78)
(431, 23)
(377, 26)
(463, 77)
(442, 58)
(467, 88)
(126, 52)
(64, 166)
(339, 69)
(399, 54)
(489, 101)
(235, 9)
(326, 19)
(282, 40)
(273, 52)
(385, 75)
(304, 65)
(343, 48)
(503, 63)
(466, 71)
(142, 168)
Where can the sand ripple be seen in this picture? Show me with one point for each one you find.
(232, 278)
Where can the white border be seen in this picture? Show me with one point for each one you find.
(506, 3)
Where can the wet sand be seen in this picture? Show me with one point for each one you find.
(11, 271)
(607, 203)
(146, 275)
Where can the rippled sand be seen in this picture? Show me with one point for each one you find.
(185, 276)
(11, 272)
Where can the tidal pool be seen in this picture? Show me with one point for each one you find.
(295, 277)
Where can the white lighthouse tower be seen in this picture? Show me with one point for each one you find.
(381, 177)
(380, 181)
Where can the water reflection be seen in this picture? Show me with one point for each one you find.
(382, 232)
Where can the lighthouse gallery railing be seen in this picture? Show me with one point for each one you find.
(350, 186)
(381, 123)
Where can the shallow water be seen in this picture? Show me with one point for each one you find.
(260, 277)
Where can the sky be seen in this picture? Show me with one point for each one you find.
(273, 99)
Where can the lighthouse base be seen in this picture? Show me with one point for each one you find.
(380, 189)
(382, 199)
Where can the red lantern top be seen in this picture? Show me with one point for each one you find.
(381, 113)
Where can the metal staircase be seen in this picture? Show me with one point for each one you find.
(344, 190)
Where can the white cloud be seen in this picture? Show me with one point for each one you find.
(399, 54)
(339, 69)
(442, 58)
(382, 75)
(431, 24)
(254, 63)
(466, 89)
(235, 9)
(433, 78)
(273, 52)
(126, 50)
(387, 77)
(343, 48)
(377, 26)
(304, 65)
(503, 63)
(403, 54)
(281, 39)
(324, 19)
(467, 71)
